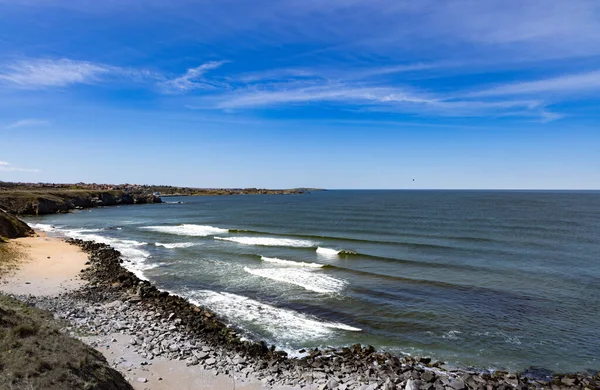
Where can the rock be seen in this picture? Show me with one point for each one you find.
(412, 384)
(174, 348)
(200, 354)
(332, 384)
(113, 304)
(388, 385)
(424, 360)
(428, 376)
(192, 361)
(569, 381)
(142, 380)
(210, 362)
(457, 384)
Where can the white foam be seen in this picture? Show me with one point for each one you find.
(268, 241)
(42, 227)
(307, 279)
(290, 263)
(176, 245)
(188, 230)
(134, 256)
(327, 251)
(451, 335)
(282, 324)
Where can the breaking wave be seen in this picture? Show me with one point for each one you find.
(306, 279)
(187, 230)
(269, 241)
(176, 245)
(281, 324)
(290, 263)
(327, 251)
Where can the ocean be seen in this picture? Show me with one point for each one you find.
(481, 279)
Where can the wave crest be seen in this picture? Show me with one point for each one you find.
(269, 241)
(281, 324)
(176, 245)
(328, 251)
(187, 230)
(290, 263)
(306, 279)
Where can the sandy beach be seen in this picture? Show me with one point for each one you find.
(48, 266)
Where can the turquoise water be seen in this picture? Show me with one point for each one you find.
(484, 279)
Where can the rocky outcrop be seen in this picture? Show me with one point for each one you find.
(52, 202)
(13, 227)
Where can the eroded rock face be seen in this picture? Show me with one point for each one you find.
(13, 227)
(33, 203)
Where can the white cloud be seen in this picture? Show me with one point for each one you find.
(7, 167)
(27, 123)
(51, 73)
(193, 79)
(45, 73)
(375, 98)
(579, 82)
(333, 92)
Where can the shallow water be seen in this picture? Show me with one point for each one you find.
(475, 278)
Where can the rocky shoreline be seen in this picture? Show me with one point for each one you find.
(168, 326)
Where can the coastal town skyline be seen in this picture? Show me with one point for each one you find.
(384, 94)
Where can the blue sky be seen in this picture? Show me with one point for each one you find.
(289, 93)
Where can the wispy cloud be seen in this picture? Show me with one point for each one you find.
(8, 167)
(27, 123)
(580, 82)
(377, 98)
(45, 73)
(50, 73)
(193, 79)
(330, 92)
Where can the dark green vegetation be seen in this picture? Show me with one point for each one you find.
(34, 354)
(12, 227)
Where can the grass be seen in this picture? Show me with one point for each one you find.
(34, 354)
(10, 257)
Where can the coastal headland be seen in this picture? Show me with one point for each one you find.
(52, 198)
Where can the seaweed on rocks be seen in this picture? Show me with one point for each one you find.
(162, 324)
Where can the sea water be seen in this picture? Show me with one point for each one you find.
(487, 279)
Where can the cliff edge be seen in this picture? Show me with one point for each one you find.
(12, 227)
